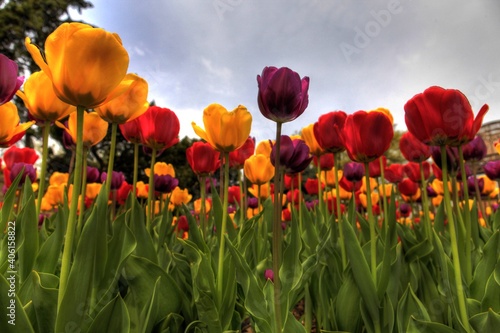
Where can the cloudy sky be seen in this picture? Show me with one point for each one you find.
(359, 55)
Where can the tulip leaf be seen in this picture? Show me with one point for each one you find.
(16, 320)
(145, 247)
(389, 254)
(27, 222)
(486, 321)
(194, 231)
(87, 270)
(44, 301)
(141, 275)
(8, 205)
(491, 299)
(50, 251)
(112, 318)
(416, 325)
(491, 252)
(361, 273)
(347, 305)
(410, 306)
(258, 306)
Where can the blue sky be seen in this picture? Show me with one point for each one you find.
(359, 55)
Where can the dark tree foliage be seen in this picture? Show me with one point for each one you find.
(36, 19)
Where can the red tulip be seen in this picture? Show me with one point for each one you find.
(311, 186)
(413, 149)
(131, 130)
(328, 131)
(159, 128)
(203, 159)
(441, 116)
(367, 135)
(394, 173)
(374, 167)
(325, 161)
(408, 187)
(412, 170)
(238, 157)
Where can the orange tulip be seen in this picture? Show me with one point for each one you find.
(94, 128)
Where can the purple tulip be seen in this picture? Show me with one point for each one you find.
(282, 95)
(471, 186)
(252, 202)
(492, 170)
(28, 170)
(475, 150)
(294, 155)
(452, 158)
(354, 171)
(117, 178)
(9, 81)
(93, 175)
(269, 274)
(165, 183)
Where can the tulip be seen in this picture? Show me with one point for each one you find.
(474, 150)
(15, 154)
(203, 159)
(58, 178)
(141, 190)
(375, 168)
(225, 131)
(282, 95)
(367, 135)
(264, 147)
(28, 171)
(238, 157)
(259, 169)
(294, 155)
(131, 131)
(492, 170)
(178, 197)
(131, 104)
(41, 101)
(408, 187)
(439, 117)
(394, 173)
(412, 170)
(93, 175)
(11, 130)
(309, 138)
(165, 183)
(94, 128)
(159, 128)
(413, 149)
(234, 195)
(311, 186)
(451, 155)
(328, 131)
(291, 181)
(161, 169)
(9, 81)
(354, 171)
(92, 190)
(326, 161)
(85, 64)
(117, 178)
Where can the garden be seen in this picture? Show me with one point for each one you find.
(319, 232)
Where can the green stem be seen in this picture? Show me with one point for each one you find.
(203, 195)
(111, 157)
(320, 189)
(340, 220)
(468, 232)
(220, 269)
(308, 309)
(43, 171)
(277, 232)
(454, 244)
(371, 222)
(83, 193)
(301, 226)
(134, 180)
(70, 229)
(384, 197)
(151, 189)
(425, 204)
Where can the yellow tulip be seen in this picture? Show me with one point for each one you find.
(94, 128)
(85, 64)
(385, 190)
(259, 169)
(363, 199)
(40, 99)
(129, 105)
(54, 195)
(142, 190)
(373, 184)
(10, 129)
(489, 185)
(328, 177)
(58, 178)
(307, 135)
(225, 131)
(161, 169)
(264, 147)
(197, 206)
(179, 197)
(265, 191)
(92, 190)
